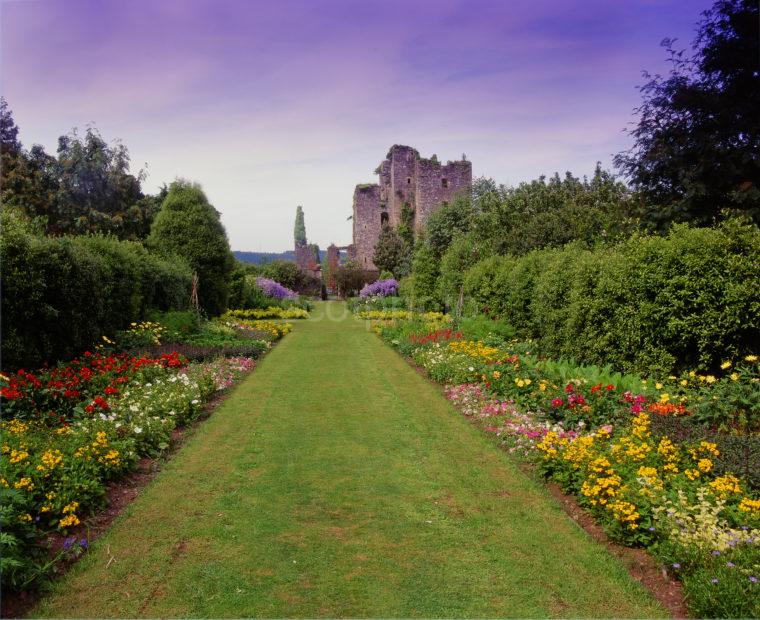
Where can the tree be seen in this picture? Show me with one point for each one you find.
(87, 188)
(350, 278)
(390, 251)
(96, 188)
(9, 143)
(300, 227)
(550, 213)
(188, 226)
(697, 142)
(450, 219)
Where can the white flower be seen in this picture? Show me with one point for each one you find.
(137, 429)
(195, 401)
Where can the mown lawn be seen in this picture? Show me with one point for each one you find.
(335, 481)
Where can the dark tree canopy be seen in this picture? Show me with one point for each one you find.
(697, 142)
(188, 226)
(87, 188)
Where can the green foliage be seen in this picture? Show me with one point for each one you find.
(391, 252)
(300, 227)
(60, 295)
(541, 213)
(425, 270)
(188, 226)
(448, 221)
(463, 252)
(87, 188)
(698, 124)
(648, 305)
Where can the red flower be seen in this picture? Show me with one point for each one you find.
(568, 388)
(610, 387)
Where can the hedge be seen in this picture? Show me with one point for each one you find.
(650, 304)
(61, 295)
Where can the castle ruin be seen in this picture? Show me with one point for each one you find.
(406, 179)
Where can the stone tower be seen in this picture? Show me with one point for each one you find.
(405, 179)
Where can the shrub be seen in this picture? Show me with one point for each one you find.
(650, 304)
(380, 288)
(189, 226)
(60, 295)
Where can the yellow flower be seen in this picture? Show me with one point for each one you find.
(24, 483)
(25, 518)
(496, 374)
(750, 358)
(71, 519)
(710, 379)
(684, 382)
(723, 486)
(18, 455)
(664, 397)
(691, 474)
(70, 507)
(734, 376)
(749, 505)
(725, 365)
(705, 465)
(658, 386)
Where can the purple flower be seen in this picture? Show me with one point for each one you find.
(753, 579)
(68, 542)
(676, 565)
(730, 564)
(716, 552)
(713, 580)
(651, 529)
(275, 289)
(83, 543)
(380, 288)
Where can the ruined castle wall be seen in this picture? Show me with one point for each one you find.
(367, 223)
(304, 256)
(403, 183)
(438, 183)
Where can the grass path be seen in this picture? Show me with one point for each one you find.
(335, 481)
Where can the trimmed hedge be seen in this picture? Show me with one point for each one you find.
(648, 305)
(61, 295)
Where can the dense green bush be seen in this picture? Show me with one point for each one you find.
(60, 295)
(649, 304)
(188, 225)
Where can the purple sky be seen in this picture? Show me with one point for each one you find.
(273, 104)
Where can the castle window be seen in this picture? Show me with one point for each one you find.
(445, 182)
(408, 180)
(383, 219)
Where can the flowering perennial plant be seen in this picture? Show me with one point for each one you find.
(272, 312)
(380, 288)
(591, 431)
(275, 289)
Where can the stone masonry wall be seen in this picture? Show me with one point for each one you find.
(367, 223)
(437, 184)
(404, 177)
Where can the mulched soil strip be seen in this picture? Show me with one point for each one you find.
(641, 565)
(119, 494)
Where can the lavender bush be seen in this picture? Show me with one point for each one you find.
(275, 289)
(380, 288)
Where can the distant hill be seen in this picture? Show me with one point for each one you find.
(260, 258)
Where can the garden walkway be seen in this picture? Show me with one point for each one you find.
(336, 481)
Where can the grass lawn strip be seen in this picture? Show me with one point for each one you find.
(335, 481)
